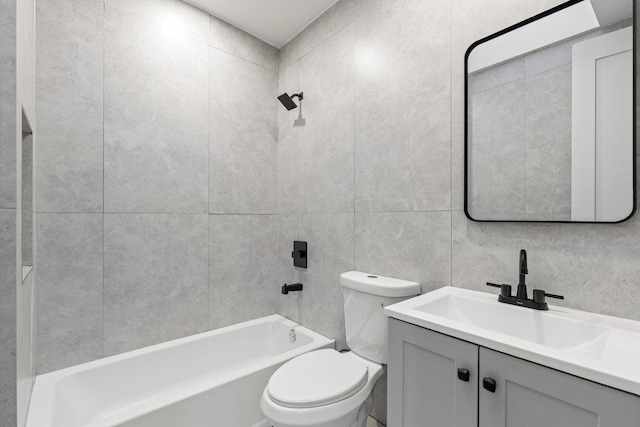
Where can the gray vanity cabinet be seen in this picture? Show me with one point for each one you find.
(423, 385)
(530, 395)
(425, 388)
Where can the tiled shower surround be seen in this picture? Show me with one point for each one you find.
(172, 184)
(156, 176)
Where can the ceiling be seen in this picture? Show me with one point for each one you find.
(274, 21)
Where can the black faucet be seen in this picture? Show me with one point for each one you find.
(539, 296)
(522, 286)
(290, 288)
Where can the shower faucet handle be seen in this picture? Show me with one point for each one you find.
(299, 254)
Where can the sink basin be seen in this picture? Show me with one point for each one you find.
(526, 324)
(601, 348)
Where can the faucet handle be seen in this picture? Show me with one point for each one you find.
(539, 296)
(505, 290)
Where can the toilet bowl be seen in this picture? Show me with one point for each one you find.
(327, 388)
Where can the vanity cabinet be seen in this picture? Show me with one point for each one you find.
(428, 386)
(423, 384)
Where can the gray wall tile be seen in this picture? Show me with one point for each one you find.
(548, 105)
(174, 15)
(242, 268)
(157, 160)
(288, 54)
(8, 104)
(496, 150)
(8, 213)
(326, 157)
(289, 130)
(330, 240)
(499, 75)
(407, 245)
(26, 57)
(549, 58)
(155, 279)
(403, 106)
(466, 28)
(69, 72)
(156, 118)
(233, 40)
(69, 289)
(338, 16)
(288, 305)
(581, 262)
(7, 314)
(244, 151)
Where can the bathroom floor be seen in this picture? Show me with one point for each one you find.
(373, 423)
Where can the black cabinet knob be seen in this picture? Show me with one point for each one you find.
(464, 375)
(489, 384)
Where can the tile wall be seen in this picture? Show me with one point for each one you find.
(378, 168)
(157, 176)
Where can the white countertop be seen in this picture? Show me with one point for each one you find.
(599, 348)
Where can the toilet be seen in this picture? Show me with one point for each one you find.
(327, 388)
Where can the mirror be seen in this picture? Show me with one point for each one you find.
(550, 116)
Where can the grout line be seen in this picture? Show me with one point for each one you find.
(524, 144)
(355, 112)
(325, 41)
(104, 231)
(209, 185)
(501, 85)
(451, 142)
(237, 213)
(155, 213)
(240, 57)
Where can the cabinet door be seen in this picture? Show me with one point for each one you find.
(423, 385)
(530, 395)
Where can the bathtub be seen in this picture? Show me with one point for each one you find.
(207, 380)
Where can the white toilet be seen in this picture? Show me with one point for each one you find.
(325, 388)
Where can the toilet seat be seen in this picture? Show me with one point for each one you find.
(317, 378)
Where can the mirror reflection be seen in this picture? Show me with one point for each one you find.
(550, 118)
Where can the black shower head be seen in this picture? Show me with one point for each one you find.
(287, 100)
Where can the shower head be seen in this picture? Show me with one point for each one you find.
(287, 100)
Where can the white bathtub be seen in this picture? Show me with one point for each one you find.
(211, 379)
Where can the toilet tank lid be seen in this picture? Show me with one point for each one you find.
(379, 285)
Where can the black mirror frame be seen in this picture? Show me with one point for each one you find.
(466, 114)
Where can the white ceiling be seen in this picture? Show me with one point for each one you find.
(274, 21)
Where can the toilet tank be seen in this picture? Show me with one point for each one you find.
(365, 297)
